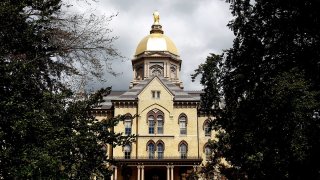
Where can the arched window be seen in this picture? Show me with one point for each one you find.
(151, 150)
(127, 125)
(139, 73)
(127, 151)
(156, 70)
(207, 128)
(183, 124)
(151, 124)
(208, 152)
(160, 150)
(160, 124)
(173, 71)
(183, 149)
(155, 121)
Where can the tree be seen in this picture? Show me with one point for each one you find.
(211, 73)
(271, 90)
(44, 131)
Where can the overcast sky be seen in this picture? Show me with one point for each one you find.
(197, 27)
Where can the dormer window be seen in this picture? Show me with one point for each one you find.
(155, 94)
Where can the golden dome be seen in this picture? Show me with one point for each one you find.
(156, 42)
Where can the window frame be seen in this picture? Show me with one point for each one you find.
(151, 125)
(151, 152)
(183, 121)
(207, 129)
(127, 130)
(207, 152)
(127, 153)
(160, 154)
(160, 124)
(183, 152)
(156, 94)
(155, 113)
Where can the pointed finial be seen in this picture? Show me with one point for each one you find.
(156, 17)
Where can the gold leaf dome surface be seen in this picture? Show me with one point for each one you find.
(156, 40)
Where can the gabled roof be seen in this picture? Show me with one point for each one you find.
(178, 93)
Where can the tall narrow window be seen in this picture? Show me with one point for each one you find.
(207, 129)
(127, 151)
(183, 124)
(208, 153)
(160, 151)
(155, 120)
(155, 94)
(151, 150)
(151, 124)
(160, 124)
(183, 151)
(127, 125)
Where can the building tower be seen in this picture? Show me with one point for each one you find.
(156, 55)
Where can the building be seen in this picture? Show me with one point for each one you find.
(171, 130)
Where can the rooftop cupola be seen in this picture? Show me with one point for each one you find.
(156, 54)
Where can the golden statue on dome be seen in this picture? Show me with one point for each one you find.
(156, 17)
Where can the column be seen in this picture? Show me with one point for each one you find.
(165, 69)
(142, 172)
(134, 73)
(168, 172)
(138, 172)
(112, 174)
(172, 172)
(115, 173)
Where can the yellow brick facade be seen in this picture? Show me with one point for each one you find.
(156, 93)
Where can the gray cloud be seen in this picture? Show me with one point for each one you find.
(197, 28)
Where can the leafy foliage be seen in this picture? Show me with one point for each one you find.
(44, 131)
(270, 84)
(211, 73)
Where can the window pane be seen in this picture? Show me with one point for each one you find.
(127, 131)
(127, 155)
(127, 148)
(183, 151)
(183, 129)
(160, 130)
(183, 125)
(151, 151)
(127, 151)
(127, 125)
(160, 151)
(160, 125)
(207, 130)
(208, 152)
(151, 125)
